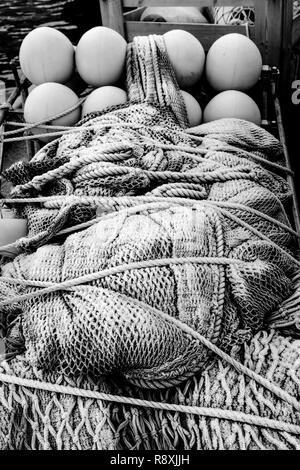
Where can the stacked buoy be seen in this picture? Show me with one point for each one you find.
(60, 72)
(233, 67)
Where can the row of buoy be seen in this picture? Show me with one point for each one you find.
(227, 104)
(50, 61)
(51, 99)
(47, 55)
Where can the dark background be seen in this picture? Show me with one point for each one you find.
(18, 17)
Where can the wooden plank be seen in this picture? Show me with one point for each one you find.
(261, 29)
(296, 31)
(274, 17)
(286, 56)
(206, 33)
(191, 3)
(112, 14)
(290, 179)
(2, 100)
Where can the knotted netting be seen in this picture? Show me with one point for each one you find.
(182, 249)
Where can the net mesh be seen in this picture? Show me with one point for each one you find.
(32, 419)
(109, 325)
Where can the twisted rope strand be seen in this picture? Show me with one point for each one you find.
(126, 200)
(64, 130)
(110, 202)
(74, 164)
(265, 383)
(174, 200)
(29, 126)
(199, 411)
(158, 176)
(112, 271)
(259, 159)
(260, 235)
(25, 126)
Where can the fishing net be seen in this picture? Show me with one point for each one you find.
(226, 409)
(196, 268)
(182, 249)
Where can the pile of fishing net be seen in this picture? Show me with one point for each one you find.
(180, 268)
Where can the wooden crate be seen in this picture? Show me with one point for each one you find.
(272, 32)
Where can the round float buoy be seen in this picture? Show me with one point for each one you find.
(103, 98)
(11, 229)
(47, 55)
(173, 15)
(193, 109)
(100, 56)
(232, 104)
(48, 100)
(186, 55)
(233, 63)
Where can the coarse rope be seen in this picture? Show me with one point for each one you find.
(157, 203)
(28, 126)
(222, 206)
(155, 176)
(54, 287)
(212, 412)
(229, 415)
(189, 149)
(149, 202)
